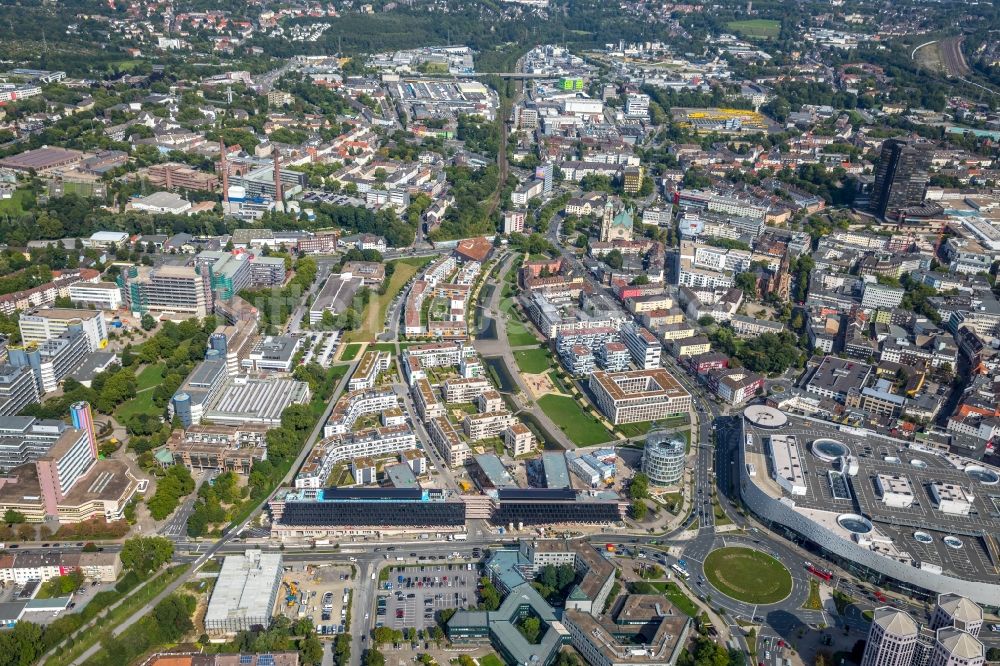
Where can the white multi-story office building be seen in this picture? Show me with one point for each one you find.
(52, 359)
(639, 395)
(637, 105)
(18, 389)
(44, 324)
(102, 295)
(179, 290)
(877, 295)
(954, 610)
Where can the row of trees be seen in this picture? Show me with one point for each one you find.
(27, 642)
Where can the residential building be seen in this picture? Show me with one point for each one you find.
(750, 327)
(372, 364)
(735, 386)
(426, 401)
(451, 447)
(518, 439)
(489, 401)
(486, 425)
(643, 346)
(692, 346)
(613, 356)
(354, 404)
(370, 442)
(513, 222)
(465, 390)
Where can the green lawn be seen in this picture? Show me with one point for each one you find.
(813, 602)
(140, 404)
(748, 575)
(490, 660)
(634, 429)
(518, 334)
(15, 205)
(579, 426)
(150, 377)
(533, 361)
(374, 315)
(350, 352)
(765, 28)
(681, 600)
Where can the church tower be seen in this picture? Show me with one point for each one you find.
(607, 220)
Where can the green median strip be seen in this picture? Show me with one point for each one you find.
(115, 617)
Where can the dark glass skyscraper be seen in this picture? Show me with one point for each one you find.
(901, 177)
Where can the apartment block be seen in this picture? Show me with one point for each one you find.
(485, 426)
(645, 349)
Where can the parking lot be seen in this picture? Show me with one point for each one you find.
(423, 592)
(13, 593)
(317, 592)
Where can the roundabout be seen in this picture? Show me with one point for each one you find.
(747, 575)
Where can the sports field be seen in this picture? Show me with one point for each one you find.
(764, 28)
(748, 575)
(579, 426)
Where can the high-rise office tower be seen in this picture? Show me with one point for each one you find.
(892, 639)
(955, 647)
(954, 610)
(901, 178)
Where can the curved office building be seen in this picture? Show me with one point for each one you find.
(663, 459)
(920, 529)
